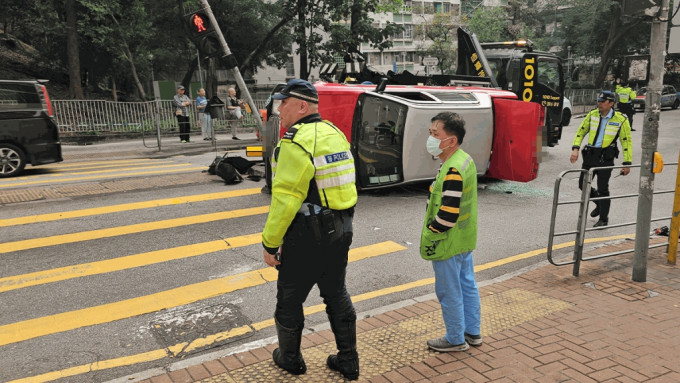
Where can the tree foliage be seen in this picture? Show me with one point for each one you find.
(597, 29)
(489, 24)
(440, 37)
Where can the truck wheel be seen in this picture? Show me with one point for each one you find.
(676, 104)
(566, 117)
(12, 160)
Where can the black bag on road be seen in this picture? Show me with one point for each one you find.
(221, 167)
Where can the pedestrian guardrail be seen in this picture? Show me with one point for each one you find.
(583, 203)
(90, 120)
(582, 100)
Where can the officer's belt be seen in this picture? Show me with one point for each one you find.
(304, 209)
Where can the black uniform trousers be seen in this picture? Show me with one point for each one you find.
(184, 128)
(593, 157)
(304, 263)
(627, 109)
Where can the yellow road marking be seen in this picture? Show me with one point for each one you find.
(162, 353)
(123, 263)
(33, 328)
(125, 169)
(126, 207)
(128, 229)
(186, 170)
(75, 167)
(93, 163)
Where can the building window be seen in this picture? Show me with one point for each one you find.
(406, 8)
(442, 7)
(408, 31)
(405, 34)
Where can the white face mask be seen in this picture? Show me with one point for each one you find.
(433, 145)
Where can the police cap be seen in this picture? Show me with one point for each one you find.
(300, 89)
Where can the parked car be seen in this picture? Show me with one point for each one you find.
(566, 112)
(669, 98)
(28, 134)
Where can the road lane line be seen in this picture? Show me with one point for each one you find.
(108, 166)
(184, 170)
(82, 236)
(124, 263)
(151, 356)
(126, 207)
(71, 320)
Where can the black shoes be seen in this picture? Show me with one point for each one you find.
(235, 138)
(295, 367)
(601, 222)
(349, 368)
(595, 211)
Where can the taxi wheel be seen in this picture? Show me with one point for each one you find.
(566, 117)
(12, 160)
(676, 104)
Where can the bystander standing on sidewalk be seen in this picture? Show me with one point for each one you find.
(449, 235)
(181, 103)
(234, 106)
(204, 115)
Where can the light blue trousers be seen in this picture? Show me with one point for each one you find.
(458, 295)
(205, 125)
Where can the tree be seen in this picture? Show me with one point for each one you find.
(489, 24)
(439, 40)
(596, 29)
(75, 90)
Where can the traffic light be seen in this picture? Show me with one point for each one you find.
(202, 33)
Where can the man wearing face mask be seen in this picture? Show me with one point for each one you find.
(449, 235)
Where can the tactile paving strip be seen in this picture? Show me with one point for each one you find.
(401, 343)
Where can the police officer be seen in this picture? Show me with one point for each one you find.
(626, 96)
(603, 126)
(309, 228)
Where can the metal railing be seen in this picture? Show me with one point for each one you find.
(111, 118)
(582, 100)
(582, 217)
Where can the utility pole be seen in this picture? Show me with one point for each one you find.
(650, 138)
(232, 65)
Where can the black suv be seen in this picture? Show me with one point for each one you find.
(28, 134)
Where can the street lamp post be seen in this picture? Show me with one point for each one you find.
(153, 85)
(568, 62)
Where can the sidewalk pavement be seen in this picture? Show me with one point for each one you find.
(542, 325)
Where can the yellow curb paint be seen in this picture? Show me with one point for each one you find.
(124, 263)
(94, 163)
(33, 328)
(128, 229)
(184, 170)
(101, 365)
(154, 166)
(74, 168)
(126, 207)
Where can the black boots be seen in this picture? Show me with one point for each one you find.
(347, 359)
(288, 355)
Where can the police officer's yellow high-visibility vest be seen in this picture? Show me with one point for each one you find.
(625, 94)
(617, 126)
(312, 157)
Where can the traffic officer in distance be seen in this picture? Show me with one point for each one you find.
(603, 126)
(626, 96)
(309, 228)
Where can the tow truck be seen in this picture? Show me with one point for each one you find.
(507, 105)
